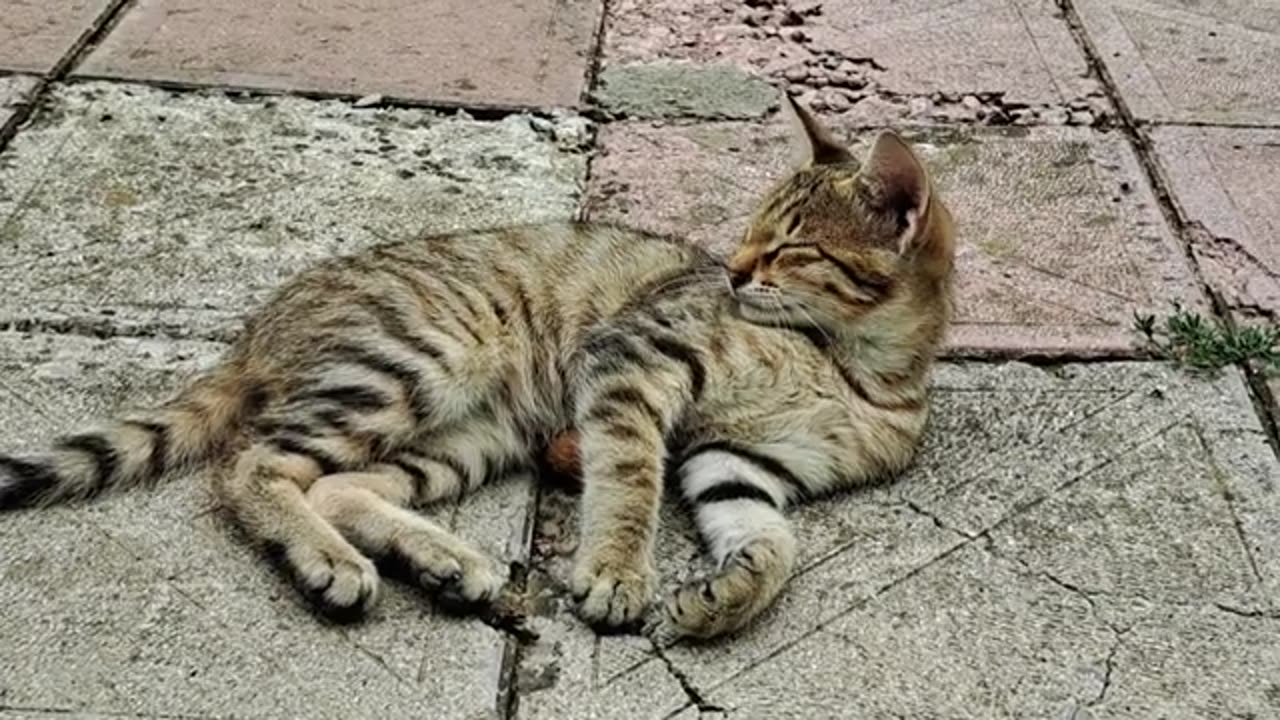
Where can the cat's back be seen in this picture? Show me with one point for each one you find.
(598, 256)
(583, 272)
(539, 284)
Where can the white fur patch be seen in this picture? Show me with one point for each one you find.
(710, 468)
(731, 525)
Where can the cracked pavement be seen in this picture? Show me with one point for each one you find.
(1087, 533)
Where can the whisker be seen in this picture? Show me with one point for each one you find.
(813, 323)
(688, 279)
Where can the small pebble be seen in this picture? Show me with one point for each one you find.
(837, 102)
(1056, 116)
(1082, 117)
(368, 101)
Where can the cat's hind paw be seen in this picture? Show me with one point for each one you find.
(459, 575)
(342, 583)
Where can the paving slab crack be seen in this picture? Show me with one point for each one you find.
(1202, 237)
(1118, 632)
(696, 697)
(1253, 613)
(853, 607)
(101, 25)
(1219, 478)
(937, 521)
(1109, 666)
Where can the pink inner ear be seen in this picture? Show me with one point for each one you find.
(900, 176)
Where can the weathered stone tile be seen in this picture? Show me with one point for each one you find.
(1176, 61)
(996, 61)
(1222, 180)
(35, 36)
(142, 211)
(480, 53)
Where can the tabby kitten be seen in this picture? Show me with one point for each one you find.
(414, 372)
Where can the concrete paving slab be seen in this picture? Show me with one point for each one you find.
(15, 91)
(994, 61)
(492, 53)
(136, 210)
(150, 603)
(1163, 532)
(1175, 61)
(34, 36)
(1061, 239)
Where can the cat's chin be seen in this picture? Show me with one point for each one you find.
(754, 313)
(771, 316)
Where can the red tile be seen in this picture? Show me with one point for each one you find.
(1223, 182)
(481, 52)
(1184, 61)
(36, 34)
(970, 60)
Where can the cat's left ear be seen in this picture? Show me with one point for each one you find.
(822, 147)
(898, 184)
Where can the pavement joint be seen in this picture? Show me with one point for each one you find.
(81, 713)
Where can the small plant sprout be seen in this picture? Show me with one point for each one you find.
(1190, 339)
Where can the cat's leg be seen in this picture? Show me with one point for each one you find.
(635, 388)
(315, 432)
(265, 492)
(737, 503)
(369, 508)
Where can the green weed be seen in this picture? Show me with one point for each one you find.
(1190, 339)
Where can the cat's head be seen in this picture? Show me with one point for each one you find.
(845, 245)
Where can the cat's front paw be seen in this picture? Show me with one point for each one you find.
(612, 594)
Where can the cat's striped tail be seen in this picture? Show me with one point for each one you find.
(135, 449)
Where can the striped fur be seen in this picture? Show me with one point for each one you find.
(417, 371)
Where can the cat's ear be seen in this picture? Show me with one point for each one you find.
(821, 147)
(898, 184)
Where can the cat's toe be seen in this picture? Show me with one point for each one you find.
(457, 574)
(343, 585)
(478, 583)
(660, 629)
(612, 597)
(690, 611)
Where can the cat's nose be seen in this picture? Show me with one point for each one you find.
(737, 278)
